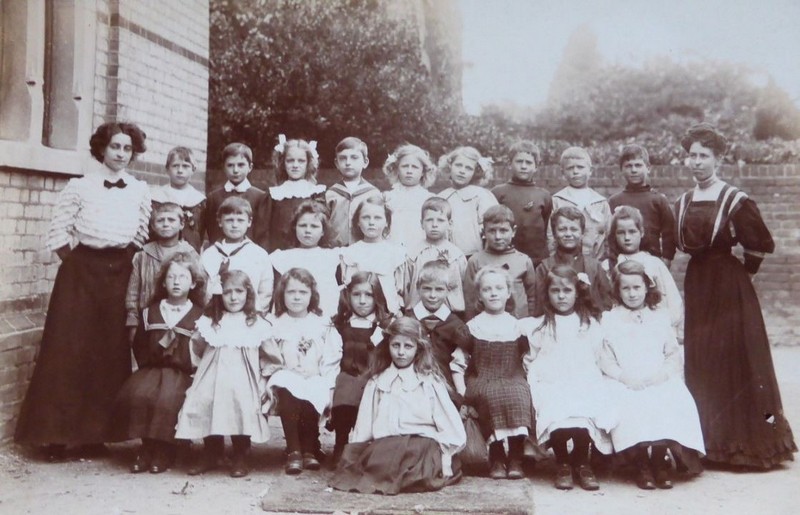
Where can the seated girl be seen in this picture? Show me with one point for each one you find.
(408, 429)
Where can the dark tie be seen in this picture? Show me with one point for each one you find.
(119, 184)
(430, 322)
(226, 258)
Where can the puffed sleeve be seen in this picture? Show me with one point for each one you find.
(753, 234)
(331, 359)
(62, 225)
(532, 327)
(145, 208)
(362, 432)
(667, 218)
(673, 356)
(607, 361)
(197, 347)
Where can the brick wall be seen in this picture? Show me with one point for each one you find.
(151, 67)
(775, 188)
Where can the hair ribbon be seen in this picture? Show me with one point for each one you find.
(281, 146)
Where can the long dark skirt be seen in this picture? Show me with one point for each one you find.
(729, 367)
(85, 356)
(392, 465)
(149, 403)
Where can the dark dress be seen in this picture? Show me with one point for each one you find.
(356, 352)
(496, 383)
(85, 357)
(728, 363)
(149, 402)
(278, 214)
(393, 464)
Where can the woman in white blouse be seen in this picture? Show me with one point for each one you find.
(100, 220)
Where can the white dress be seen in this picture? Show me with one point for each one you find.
(641, 344)
(310, 353)
(225, 396)
(671, 299)
(387, 260)
(567, 385)
(322, 263)
(406, 205)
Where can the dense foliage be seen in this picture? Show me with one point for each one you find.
(321, 70)
(326, 69)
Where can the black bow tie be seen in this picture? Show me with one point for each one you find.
(119, 184)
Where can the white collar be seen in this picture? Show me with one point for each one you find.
(421, 312)
(242, 187)
(362, 322)
(468, 192)
(104, 173)
(295, 189)
(408, 377)
(188, 196)
(581, 197)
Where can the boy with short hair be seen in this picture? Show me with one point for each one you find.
(166, 224)
(343, 198)
(181, 166)
(235, 251)
(436, 221)
(576, 166)
(498, 230)
(530, 204)
(568, 225)
(659, 221)
(238, 160)
(442, 326)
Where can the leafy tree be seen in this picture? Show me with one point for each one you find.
(323, 70)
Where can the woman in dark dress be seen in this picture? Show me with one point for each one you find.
(98, 222)
(727, 354)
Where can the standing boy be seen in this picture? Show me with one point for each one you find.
(530, 204)
(568, 226)
(235, 251)
(659, 222)
(343, 198)
(576, 165)
(437, 223)
(238, 164)
(498, 229)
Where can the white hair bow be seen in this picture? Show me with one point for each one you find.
(485, 163)
(582, 277)
(280, 147)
